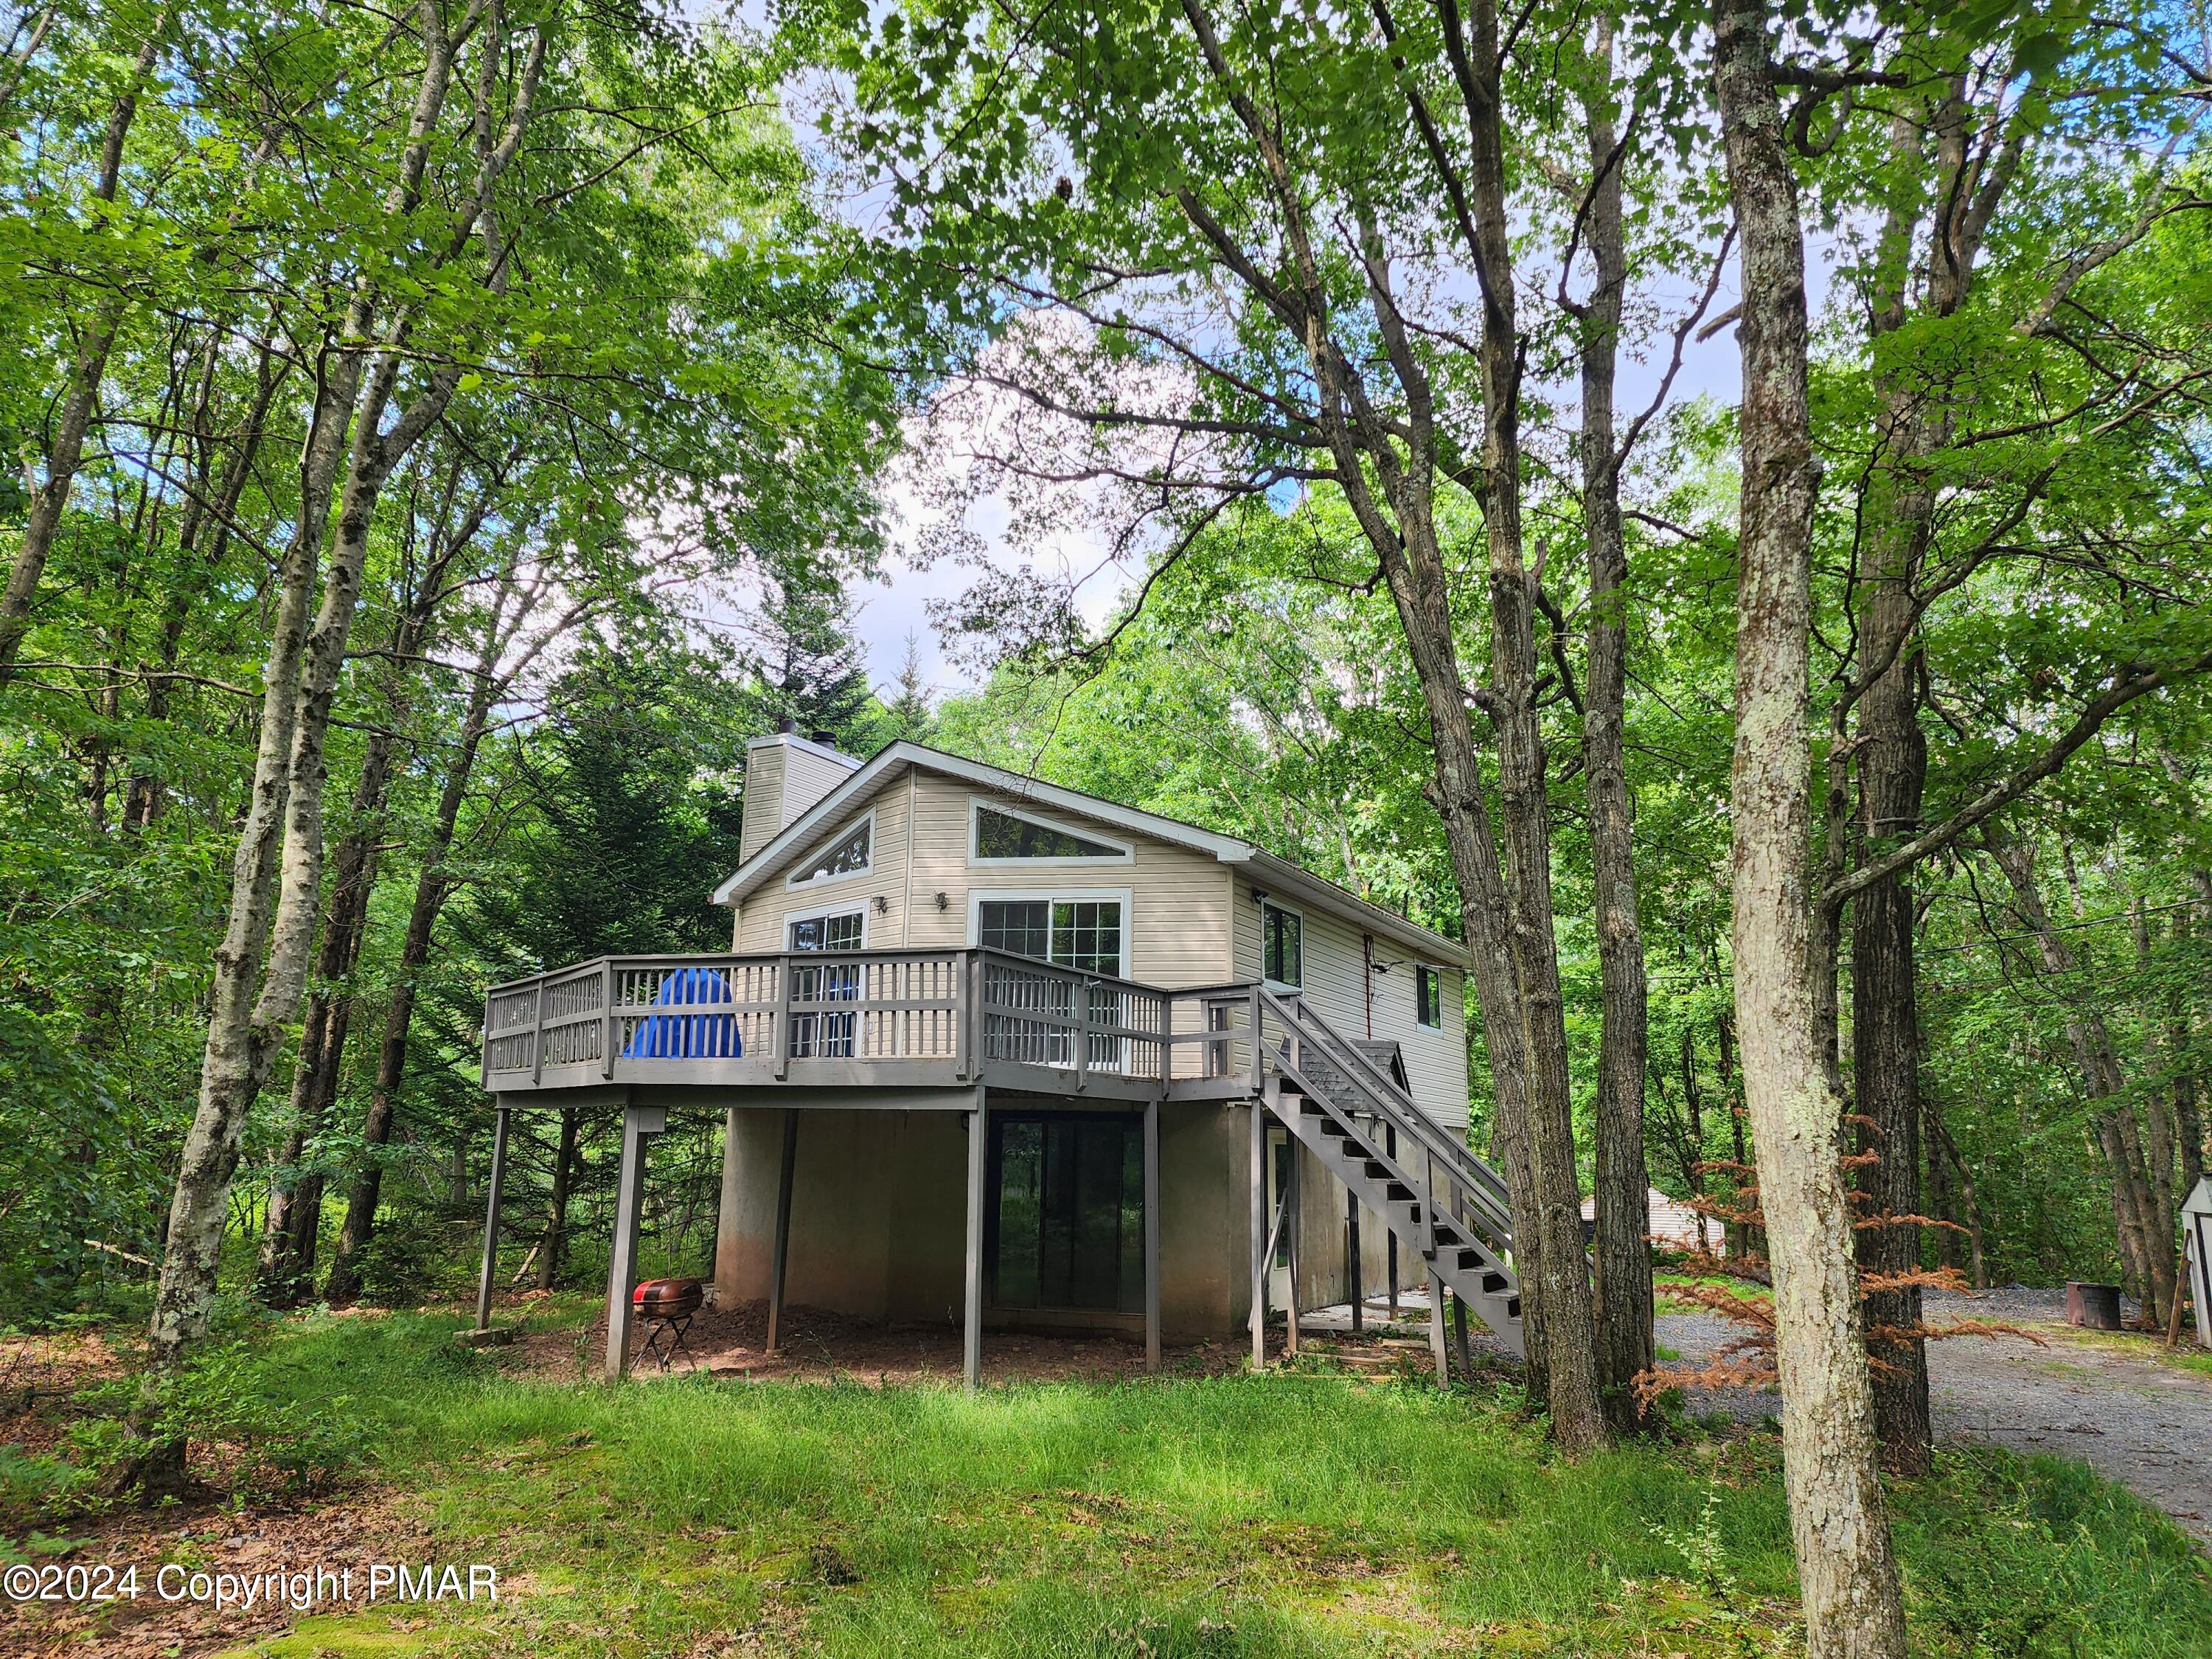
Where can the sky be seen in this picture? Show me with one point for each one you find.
(898, 605)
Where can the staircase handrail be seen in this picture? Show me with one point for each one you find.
(1469, 1161)
(1394, 1105)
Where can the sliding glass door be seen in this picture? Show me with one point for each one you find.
(1066, 1218)
(1084, 934)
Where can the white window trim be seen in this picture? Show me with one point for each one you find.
(1263, 906)
(977, 897)
(1125, 854)
(796, 879)
(1430, 968)
(822, 912)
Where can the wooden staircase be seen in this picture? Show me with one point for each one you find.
(1442, 1201)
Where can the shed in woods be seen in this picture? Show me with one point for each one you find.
(1674, 1224)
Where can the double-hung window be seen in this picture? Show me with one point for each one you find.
(1428, 997)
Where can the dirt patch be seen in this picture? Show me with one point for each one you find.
(821, 1346)
(38, 1377)
(364, 1528)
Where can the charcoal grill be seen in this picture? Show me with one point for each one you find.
(666, 1306)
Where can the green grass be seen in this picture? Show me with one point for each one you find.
(1291, 1514)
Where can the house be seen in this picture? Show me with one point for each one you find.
(995, 1051)
(1671, 1224)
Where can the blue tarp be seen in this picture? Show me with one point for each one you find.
(687, 1036)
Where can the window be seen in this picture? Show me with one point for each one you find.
(1282, 945)
(817, 1032)
(1021, 928)
(1000, 836)
(1428, 994)
(847, 855)
(1036, 1011)
(1075, 932)
(1067, 1215)
(836, 932)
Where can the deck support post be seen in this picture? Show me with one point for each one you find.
(1436, 1329)
(1355, 1284)
(728, 1241)
(1152, 1235)
(1291, 1244)
(638, 1122)
(1258, 1184)
(971, 1319)
(780, 1257)
(1461, 1352)
(1393, 1239)
(491, 1220)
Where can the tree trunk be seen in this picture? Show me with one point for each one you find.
(1743, 1237)
(1693, 1175)
(1940, 1133)
(1942, 1199)
(566, 1160)
(1622, 1178)
(251, 1007)
(292, 1223)
(1570, 1336)
(2135, 1212)
(74, 419)
(432, 887)
(2159, 1136)
(1848, 1573)
(149, 791)
(1886, 1035)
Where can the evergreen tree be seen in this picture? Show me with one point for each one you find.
(621, 847)
(909, 717)
(806, 657)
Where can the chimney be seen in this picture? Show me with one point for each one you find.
(786, 774)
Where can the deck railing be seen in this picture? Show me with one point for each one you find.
(734, 1019)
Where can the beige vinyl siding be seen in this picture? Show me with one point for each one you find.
(760, 923)
(1178, 924)
(808, 776)
(783, 778)
(763, 796)
(1436, 1060)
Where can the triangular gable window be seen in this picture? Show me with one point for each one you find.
(845, 856)
(1002, 836)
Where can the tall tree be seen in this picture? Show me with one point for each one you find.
(1839, 1526)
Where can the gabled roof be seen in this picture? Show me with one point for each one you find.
(894, 760)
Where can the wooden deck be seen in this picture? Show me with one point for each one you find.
(670, 1030)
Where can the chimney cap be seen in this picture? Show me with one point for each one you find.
(827, 740)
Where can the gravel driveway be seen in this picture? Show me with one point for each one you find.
(2144, 1424)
